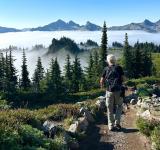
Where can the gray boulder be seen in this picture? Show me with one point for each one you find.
(154, 96)
(83, 123)
(74, 127)
(145, 105)
(131, 96)
(101, 103)
(146, 114)
(50, 128)
(78, 126)
(133, 101)
(139, 103)
(87, 114)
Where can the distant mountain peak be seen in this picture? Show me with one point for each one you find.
(71, 22)
(91, 27)
(60, 21)
(148, 22)
(88, 22)
(146, 25)
(158, 22)
(71, 25)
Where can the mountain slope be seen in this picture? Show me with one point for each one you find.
(146, 25)
(61, 25)
(5, 29)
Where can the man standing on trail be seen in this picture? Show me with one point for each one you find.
(113, 77)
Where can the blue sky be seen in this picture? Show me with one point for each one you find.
(33, 13)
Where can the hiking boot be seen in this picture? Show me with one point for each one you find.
(118, 127)
(111, 128)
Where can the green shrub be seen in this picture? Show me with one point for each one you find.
(144, 85)
(25, 116)
(9, 138)
(20, 129)
(57, 112)
(68, 121)
(60, 143)
(31, 136)
(130, 83)
(143, 92)
(149, 80)
(4, 104)
(145, 126)
(81, 96)
(92, 107)
(155, 137)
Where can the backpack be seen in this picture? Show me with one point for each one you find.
(113, 79)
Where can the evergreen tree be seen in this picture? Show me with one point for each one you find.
(38, 75)
(25, 81)
(10, 78)
(68, 73)
(103, 49)
(54, 85)
(89, 72)
(96, 69)
(96, 65)
(89, 69)
(137, 63)
(147, 62)
(12, 73)
(127, 58)
(6, 82)
(2, 72)
(77, 75)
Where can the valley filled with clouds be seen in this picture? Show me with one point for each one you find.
(28, 39)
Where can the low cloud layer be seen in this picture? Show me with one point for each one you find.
(29, 39)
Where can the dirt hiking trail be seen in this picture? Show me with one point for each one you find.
(99, 138)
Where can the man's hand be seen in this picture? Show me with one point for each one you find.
(102, 82)
(124, 78)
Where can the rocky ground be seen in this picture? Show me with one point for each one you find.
(99, 138)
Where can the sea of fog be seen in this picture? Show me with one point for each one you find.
(29, 39)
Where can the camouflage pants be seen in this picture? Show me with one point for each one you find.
(113, 100)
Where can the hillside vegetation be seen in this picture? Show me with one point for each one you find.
(63, 43)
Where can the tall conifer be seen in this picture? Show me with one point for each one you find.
(38, 75)
(103, 49)
(68, 73)
(127, 57)
(25, 81)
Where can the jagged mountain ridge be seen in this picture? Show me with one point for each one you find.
(146, 25)
(61, 25)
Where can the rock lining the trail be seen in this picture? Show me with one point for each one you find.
(146, 107)
(101, 103)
